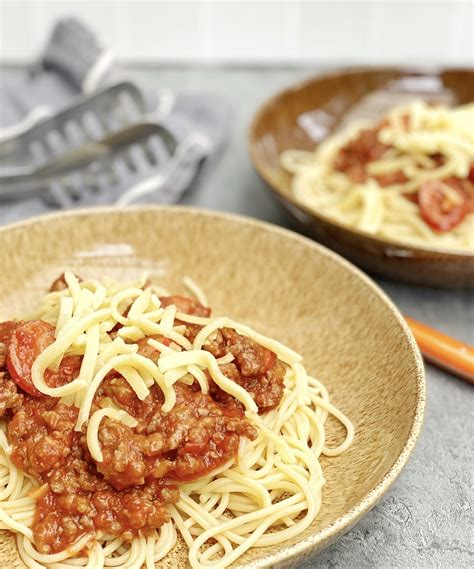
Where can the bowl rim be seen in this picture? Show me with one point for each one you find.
(387, 244)
(323, 537)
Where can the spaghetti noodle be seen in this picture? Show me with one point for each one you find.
(409, 178)
(112, 359)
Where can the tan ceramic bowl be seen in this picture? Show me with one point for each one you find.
(300, 116)
(350, 334)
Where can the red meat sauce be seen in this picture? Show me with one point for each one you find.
(142, 468)
(437, 207)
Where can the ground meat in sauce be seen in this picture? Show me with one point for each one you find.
(61, 518)
(77, 499)
(10, 398)
(67, 371)
(195, 437)
(148, 351)
(60, 283)
(354, 156)
(6, 330)
(126, 494)
(42, 435)
(254, 367)
(366, 147)
(186, 305)
(391, 178)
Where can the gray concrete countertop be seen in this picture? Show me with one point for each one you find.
(425, 521)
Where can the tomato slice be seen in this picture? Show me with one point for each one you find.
(437, 206)
(25, 344)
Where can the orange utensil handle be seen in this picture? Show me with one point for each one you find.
(444, 351)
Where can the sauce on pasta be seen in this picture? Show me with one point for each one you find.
(127, 414)
(124, 494)
(409, 177)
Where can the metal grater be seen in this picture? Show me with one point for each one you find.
(113, 164)
(102, 143)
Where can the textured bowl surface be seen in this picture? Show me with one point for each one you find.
(284, 285)
(305, 114)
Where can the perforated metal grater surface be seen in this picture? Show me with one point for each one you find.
(102, 143)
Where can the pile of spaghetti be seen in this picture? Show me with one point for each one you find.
(132, 419)
(408, 178)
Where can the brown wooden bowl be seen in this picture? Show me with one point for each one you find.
(296, 117)
(350, 334)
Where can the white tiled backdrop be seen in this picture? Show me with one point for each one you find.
(257, 31)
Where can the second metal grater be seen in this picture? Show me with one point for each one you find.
(138, 154)
(131, 157)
